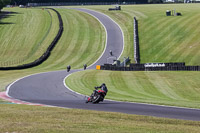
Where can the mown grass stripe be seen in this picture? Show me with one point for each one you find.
(17, 47)
(157, 43)
(76, 41)
(161, 85)
(66, 48)
(83, 45)
(150, 87)
(171, 43)
(194, 36)
(62, 47)
(84, 35)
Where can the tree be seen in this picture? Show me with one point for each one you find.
(4, 3)
(155, 1)
(18, 2)
(1, 4)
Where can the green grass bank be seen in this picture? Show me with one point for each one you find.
(162, 38)
(25, 35)
(165, 88)
(26, 119)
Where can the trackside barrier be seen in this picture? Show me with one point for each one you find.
(116, 8)
(151, 67)
(136, 42)
(47, 52)
(98, 67)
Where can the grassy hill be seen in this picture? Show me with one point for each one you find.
(28, 32)
(82, 42)
(161, 38)
(25, 35)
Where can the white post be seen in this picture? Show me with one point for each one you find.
(174, 12)
(124, 61)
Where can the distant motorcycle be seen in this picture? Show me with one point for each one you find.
(97, 96)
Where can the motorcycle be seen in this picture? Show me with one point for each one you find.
(97, 96)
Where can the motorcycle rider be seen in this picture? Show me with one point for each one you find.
(68, 68)
(103, 87)
(84, 66)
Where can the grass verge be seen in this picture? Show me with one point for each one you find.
(166, 88)
(26, 118)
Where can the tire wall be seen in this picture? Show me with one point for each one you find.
(141, 67)
(136, 42)
(47, 52)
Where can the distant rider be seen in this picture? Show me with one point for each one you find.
(111, 52)
(68, 68)
(85, 66)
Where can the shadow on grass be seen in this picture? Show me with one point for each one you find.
(5, 23)
(6, 14)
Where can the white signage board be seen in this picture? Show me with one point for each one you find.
(154, 65)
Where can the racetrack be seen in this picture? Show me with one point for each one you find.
(48, 88)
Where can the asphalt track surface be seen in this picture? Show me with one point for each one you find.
(49, 89)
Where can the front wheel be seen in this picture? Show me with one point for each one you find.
(96, 99)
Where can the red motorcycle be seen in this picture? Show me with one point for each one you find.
(97, 96)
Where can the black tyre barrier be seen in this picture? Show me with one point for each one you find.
(47, 52)
(136, 42)
(141, 67)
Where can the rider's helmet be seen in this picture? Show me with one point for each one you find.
(103, 84)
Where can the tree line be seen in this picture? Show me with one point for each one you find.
(4, 3)
(24, 2)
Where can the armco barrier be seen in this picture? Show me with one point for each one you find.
(47, 52)
(152, 67)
